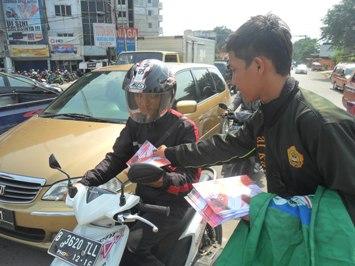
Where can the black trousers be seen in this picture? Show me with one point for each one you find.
(142, 239)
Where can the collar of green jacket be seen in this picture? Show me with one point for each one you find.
(274, 109)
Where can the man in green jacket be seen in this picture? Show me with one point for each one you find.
(301, 139)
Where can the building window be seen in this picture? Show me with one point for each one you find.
(150, 25)
(62, 10)
(121, 14)
(100, 6)
(130, 4)
(121, 2)
(94, 12)
(149, 12)
(65, 34)
(149, 1)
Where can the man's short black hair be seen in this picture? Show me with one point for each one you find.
(265, 36)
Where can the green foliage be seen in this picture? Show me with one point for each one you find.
(341, 56)
(339, 26)
(304, 48)
(222, 34)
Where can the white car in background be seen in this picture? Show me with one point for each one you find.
(301, 69)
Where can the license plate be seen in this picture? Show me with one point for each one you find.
(7, 220)
(75, 249)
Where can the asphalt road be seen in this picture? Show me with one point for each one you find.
(16, 254)
(319, 83)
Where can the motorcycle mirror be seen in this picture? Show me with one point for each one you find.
(223, 106)
(53, 163)
(143, 173)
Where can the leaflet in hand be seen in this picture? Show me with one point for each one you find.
(145, 155)
(223, 199)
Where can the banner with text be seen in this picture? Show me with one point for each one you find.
(65, 48)
(31, 51)
(23, 20)
(104, 34)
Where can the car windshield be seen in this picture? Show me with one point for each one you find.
(98, 96)
(132, 58)
(222, 67)
(349, 70)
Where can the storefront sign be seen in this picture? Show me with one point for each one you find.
(63, 45)
(24, 21)
(125, 45)
(126, 39)
(129, 33)
(104, 34)
(29, 51)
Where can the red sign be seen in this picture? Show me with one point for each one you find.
(129, 33)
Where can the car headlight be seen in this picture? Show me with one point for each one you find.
(59, 190)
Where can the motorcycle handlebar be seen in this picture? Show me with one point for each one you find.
(154, 209)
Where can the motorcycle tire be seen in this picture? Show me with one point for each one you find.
(219, 233)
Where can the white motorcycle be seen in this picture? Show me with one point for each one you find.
(101, 235)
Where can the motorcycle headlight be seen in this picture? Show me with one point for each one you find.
(58, 191)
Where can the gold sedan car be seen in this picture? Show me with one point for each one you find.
(79, 127)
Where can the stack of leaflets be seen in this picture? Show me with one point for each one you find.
(145, 154)
(223, 199)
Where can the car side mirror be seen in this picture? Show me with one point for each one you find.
(53, 163)
(186, 107)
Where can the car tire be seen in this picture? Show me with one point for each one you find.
(335, 87)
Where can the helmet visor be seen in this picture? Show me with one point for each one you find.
(148, 107)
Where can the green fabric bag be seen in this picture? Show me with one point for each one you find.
(298, 231)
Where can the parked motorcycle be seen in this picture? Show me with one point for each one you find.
(55, 78)
(233, 121)
(103, 216)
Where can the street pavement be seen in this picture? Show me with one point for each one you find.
(16, 254)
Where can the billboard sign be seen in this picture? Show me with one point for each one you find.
(104, 34)
(23, 21)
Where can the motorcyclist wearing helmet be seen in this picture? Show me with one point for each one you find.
(238, 100)
(150, 92)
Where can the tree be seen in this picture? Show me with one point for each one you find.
(305, 48)
(339, 26)
(222, 34)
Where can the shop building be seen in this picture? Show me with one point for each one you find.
(26, 32)
(65, 34)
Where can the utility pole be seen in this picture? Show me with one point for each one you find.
(7, 58)
(114, 9)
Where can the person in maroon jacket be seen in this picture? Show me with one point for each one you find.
(150, 92)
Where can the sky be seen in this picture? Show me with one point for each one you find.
(302, 16)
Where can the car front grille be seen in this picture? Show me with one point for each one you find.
(19, 189)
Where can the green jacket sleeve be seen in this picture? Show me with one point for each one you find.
(332, 147)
